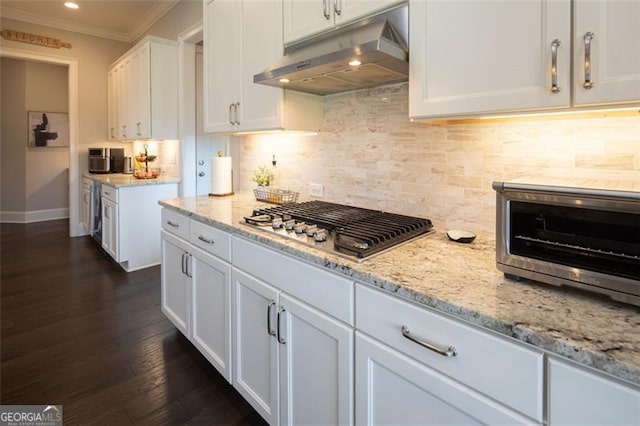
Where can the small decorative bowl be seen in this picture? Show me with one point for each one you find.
(150, 173)
(145, 158)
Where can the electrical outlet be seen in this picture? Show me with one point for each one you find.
(172, 158)
(316, 190)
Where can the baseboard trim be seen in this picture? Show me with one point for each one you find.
(34, 215)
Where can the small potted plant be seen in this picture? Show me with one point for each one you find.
(263, 176)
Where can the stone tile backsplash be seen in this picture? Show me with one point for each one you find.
(369, 154)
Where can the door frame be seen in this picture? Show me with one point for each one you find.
(75, 219)
(187, 106)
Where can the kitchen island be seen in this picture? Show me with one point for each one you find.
(462, 280)
(119, 180)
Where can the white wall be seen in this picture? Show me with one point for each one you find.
(184, 15)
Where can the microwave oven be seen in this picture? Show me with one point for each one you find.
(579, 237)
(106, 160)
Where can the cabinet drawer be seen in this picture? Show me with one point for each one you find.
(210, 239)
(175, 223)
(505, 371)
(110, 193)
(322, 290)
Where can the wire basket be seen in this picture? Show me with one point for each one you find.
(275, 196)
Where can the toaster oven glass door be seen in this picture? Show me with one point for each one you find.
(597, 240)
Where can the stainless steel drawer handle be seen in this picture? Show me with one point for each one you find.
(231, 114)
(206, 240)
(281, 338)
(554, 65)
(182, 267)
(271, 331)
(448, 352)
(588, 36)
(235, 113)
(174, 224)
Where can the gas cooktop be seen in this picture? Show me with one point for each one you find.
(351, 232)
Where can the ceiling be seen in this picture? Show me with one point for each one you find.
(122, 20)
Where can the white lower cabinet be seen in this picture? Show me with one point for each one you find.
(293, 362)
(110, 228)
(175, 282)
(394, 389)
(581, 397)
(196, 293)
(423, 359)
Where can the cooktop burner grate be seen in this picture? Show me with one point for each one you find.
(354, 231)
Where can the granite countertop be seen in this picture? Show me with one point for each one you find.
(462, 280)
(119, 180)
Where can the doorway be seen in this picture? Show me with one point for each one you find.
(197, 148)
(75, 223)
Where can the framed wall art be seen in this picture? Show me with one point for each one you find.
(48, 129)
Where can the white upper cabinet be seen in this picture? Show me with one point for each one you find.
(240, 40)
(306, 18)
(606, 45)
(143, 92)
(474, 56)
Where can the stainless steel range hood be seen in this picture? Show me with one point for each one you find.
(321, 65)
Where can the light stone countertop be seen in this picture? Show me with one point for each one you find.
(462, 280)
(119, 180)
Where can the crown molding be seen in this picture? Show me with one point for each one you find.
(158, 11)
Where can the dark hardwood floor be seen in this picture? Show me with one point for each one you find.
(78, 331)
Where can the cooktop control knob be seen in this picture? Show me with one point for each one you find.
(276, 223)
(311, 230)
(299, 228)
(320, 236)
(289, 224)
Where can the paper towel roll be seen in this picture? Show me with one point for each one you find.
(221, 176)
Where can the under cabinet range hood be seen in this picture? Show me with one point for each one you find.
(367, 53)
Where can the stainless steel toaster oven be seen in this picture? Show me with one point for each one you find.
(584, 238)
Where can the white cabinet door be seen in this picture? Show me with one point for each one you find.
(316, 366)
(211, 309)
(222, 70)
(470, 57)
(113, 87)
(614, 51)
(261, 107)
(304, 18)
(123, 99)
(138, 99)
(110, 227)
(579, 397)
(255, 349)
(395, 389)
(351, 10)
(174, 282)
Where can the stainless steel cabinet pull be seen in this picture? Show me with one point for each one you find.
(175, 225)
(206, 240)
(235, 113)
(269, 329)
(124, 130)
(588, 36)
(231, 114)
(201, 174)
(182, 267)
(138, 130)
(449, 352)
(325, 10)
(188, 262)
(107, 193)
(336, 9)
(554, 65)
(281, 338)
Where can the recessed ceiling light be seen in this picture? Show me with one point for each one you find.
(71, 5)
(284, 80)
(355, 63)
